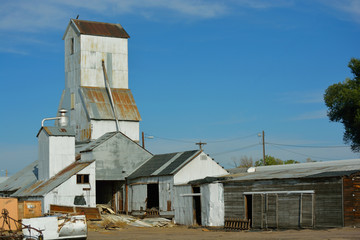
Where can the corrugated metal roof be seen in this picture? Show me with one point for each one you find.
(90, 146)
(301, 170)
(40, 188)
(100, 29)
(58, 131)
(98, 105)
(164, 164)
(26, 177)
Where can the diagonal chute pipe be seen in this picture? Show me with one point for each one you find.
(107, 86)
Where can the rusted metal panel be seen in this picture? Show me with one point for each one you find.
(100, 29)
(29, 209)
(40, 188)
(91, 213)
(351, 191)
(99, 108)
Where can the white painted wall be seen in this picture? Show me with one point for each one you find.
(212, 204)
(198, 169)
(130, 129)
(55, 153)
(66, 192)
(114, 51)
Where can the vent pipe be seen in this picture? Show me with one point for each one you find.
(62, 120)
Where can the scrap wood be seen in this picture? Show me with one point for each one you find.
(105, 209)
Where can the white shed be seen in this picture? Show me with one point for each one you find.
(153, 186)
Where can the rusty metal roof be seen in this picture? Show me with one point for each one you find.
(40, 188)
(100, 29)
(98, 105)
(58, 131)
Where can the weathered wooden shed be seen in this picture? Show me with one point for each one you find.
(309, 195)
(160, 184)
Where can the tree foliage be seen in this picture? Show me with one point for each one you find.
(269, 160)
(343, 102)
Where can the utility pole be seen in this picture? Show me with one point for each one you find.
(263, 142)
(143, 140)
(200, 144)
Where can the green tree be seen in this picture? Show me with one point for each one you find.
(343, 102)
(269, 160)
(291, 161)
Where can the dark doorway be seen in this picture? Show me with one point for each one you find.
(111, 193)
(248, 207)
(152, 196)
(197, 206)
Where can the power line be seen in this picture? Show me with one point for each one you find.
(233, 139)
(235, 150)
(306, 155)
(304, 146)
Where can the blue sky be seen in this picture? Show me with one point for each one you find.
(215, 71)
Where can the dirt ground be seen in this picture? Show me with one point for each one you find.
(182, 232)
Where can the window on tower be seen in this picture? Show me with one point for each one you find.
(71, 46)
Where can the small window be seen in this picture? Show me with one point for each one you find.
(71, 46)
(72, 101)
(82, 178)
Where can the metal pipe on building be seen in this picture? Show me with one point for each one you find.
(107, 86)
(62, 120)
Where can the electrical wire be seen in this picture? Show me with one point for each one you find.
(306, 155)
(233, 139)
(235, 150)
(304, 146)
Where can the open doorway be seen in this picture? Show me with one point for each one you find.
(248, 207)
(197, 206)
(152, 196)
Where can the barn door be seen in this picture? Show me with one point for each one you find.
(282, 210)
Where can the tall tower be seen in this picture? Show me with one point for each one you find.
(88, 101)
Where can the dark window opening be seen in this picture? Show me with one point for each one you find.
(197, 206)
(71, 46)
(79, 200)
(152, 196)
(82, 178)
(248, 207)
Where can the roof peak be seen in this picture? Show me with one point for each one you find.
(87, 27)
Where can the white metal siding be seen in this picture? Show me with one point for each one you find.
(198, 169)
(66, 192)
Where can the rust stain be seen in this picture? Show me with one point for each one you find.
(101, 29)
(123, 100)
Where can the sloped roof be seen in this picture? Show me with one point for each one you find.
(98, 107)
(58, 131)
(164, 164)
(301, 170)
(98, 28)
(26, 177)
(40, 188)
(90, 146)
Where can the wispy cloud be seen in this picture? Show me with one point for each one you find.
(320, 114)
(302, 97)
(344, 9)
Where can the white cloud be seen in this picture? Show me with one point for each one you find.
(344, 9)
(306, 97)
(320, 114)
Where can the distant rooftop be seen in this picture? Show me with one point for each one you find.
(301, 170)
